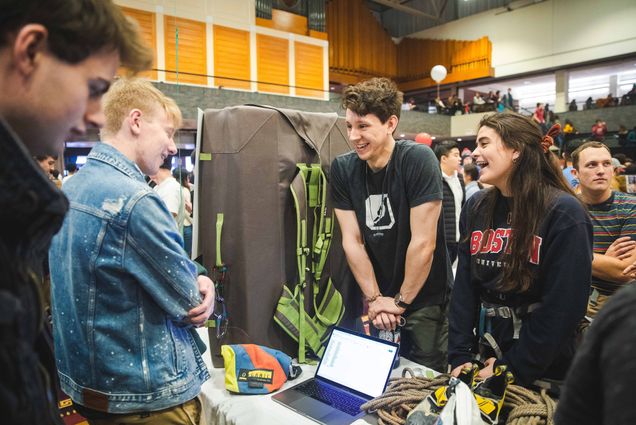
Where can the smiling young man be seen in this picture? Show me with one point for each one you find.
(387, 198)
(614, 220)
(57, 58)
(124, 292)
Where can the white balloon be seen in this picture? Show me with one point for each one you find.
(438, 73)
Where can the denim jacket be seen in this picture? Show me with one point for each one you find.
(121, 289)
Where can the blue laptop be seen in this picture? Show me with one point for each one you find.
(354, 369)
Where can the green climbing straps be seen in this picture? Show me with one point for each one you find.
(309, 190)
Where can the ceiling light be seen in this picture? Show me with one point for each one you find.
(459, 139)
(401, 135)
(433, 137)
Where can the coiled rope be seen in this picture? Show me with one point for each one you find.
(521, 405)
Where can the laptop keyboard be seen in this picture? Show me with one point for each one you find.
(338, 399)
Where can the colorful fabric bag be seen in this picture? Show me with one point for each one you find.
(255, 369)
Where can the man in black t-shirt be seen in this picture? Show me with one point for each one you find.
(387, 198)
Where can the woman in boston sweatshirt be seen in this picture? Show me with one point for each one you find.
(525, 258)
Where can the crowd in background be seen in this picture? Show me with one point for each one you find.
(495, 101)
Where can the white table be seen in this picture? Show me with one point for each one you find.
(223, 408)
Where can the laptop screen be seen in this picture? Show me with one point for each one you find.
(357, 362)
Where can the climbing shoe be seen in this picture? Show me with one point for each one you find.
(491, 392)
(468, 375)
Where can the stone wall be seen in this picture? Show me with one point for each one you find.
(189, 98)
(614, 117)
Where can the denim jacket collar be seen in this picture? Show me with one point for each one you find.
(110, 155)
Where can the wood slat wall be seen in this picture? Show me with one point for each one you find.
(189, 56)
(289, 22)
(272, 66)
(360, 48)
(464, 60)
(231, 57)
(147, 27)
(186, 54)
(358, 45)
(309, 65)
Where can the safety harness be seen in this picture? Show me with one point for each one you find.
(309, 191)
(219, 271)
(490, 311)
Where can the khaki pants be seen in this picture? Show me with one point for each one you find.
(595, 303)
(425, 337)
(188, 413)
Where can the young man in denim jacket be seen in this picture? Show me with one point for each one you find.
(57, 58)
(124, 293)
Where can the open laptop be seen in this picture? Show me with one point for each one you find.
(354, 369)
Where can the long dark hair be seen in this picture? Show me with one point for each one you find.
(535, 180)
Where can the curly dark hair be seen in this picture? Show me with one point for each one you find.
(377, 96)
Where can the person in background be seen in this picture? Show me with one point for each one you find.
(169, 190)
(125, 296)
(387, 197)
(47, 164)
(512, 277)
(467, 159)
(568, 171)
(447, 154)
(440, 107)
(183, 177)
(508, 100)
(71, 169)
(478, 102)
(622, 135)
(631, 136)
(457, 108)
(559, 139)
(471, 180)
(613, 216)
(491, 100)
(569, 133)
(573, 106)
(57, 59)
(499, 102)
(609, 101)
(618, 180)
(548, 115)
(539, 116)
(55, 178)
(599, 130)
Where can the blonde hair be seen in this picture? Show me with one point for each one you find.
(135, 93)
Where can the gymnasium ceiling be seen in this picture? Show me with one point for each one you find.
(404, 17)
